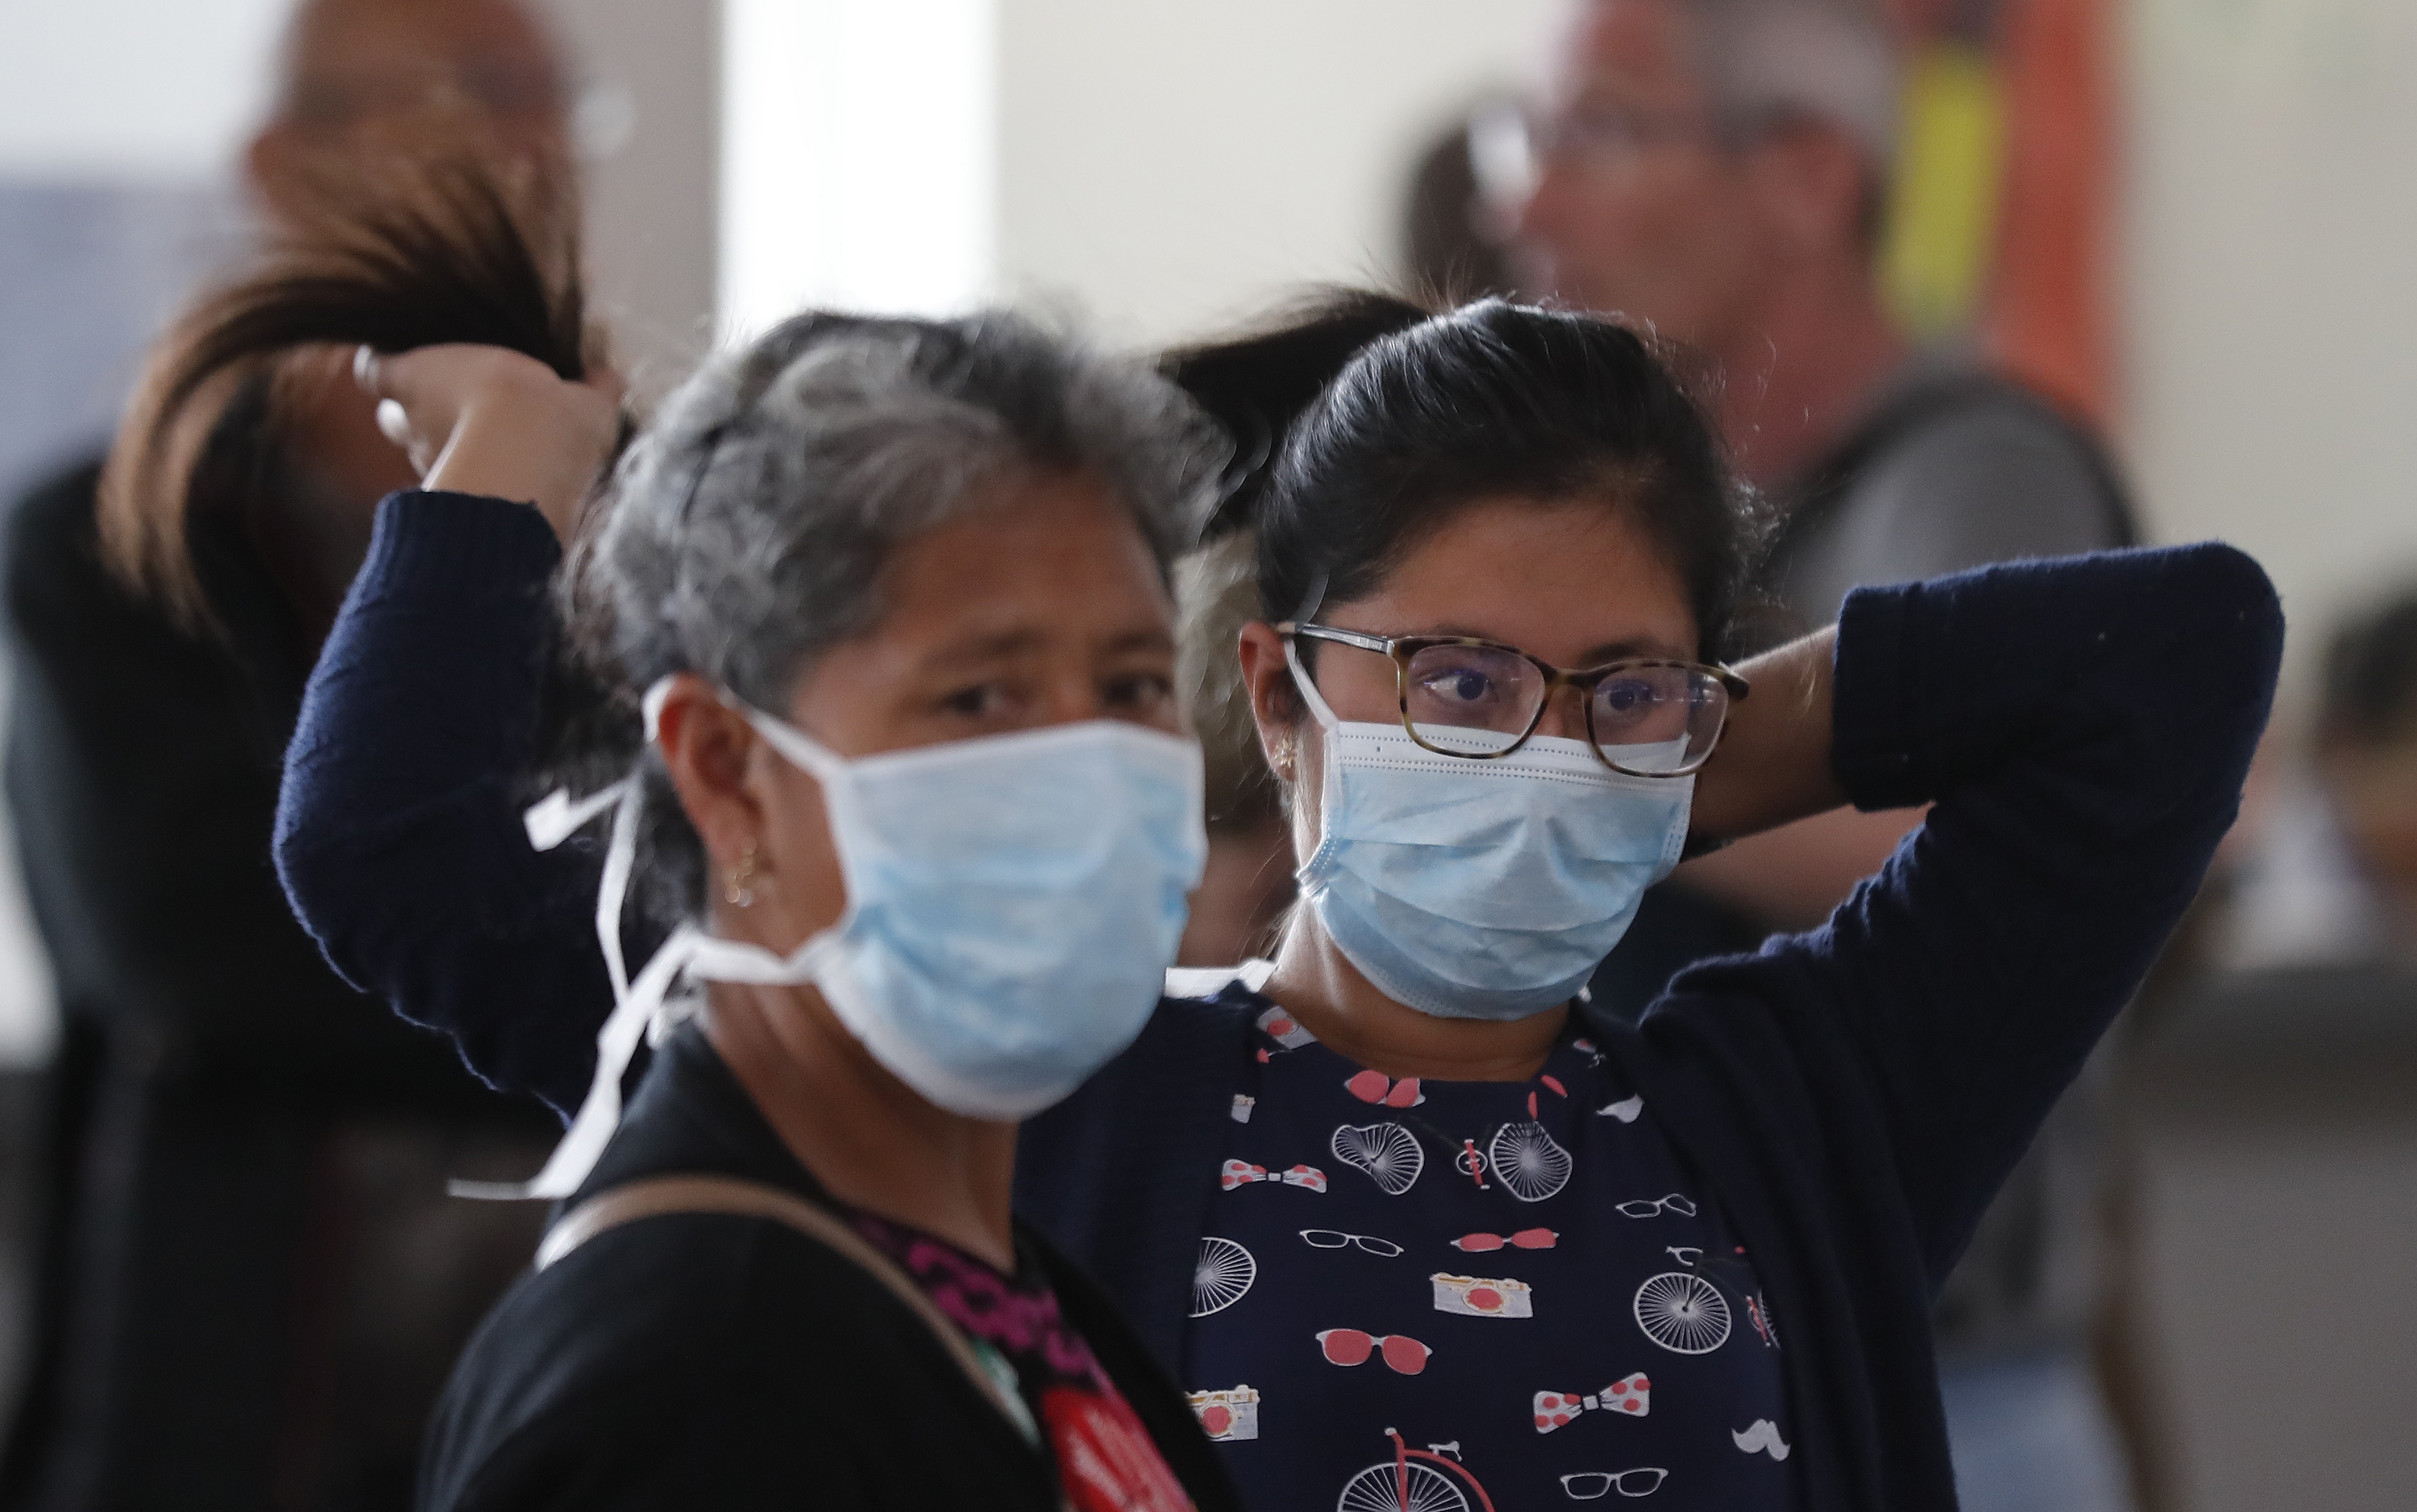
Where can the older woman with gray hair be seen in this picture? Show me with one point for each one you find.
(942, 547)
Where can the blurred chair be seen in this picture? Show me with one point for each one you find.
(2271, 1121)
(2331, 878)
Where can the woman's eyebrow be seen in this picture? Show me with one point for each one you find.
(1003, 644)
(1151, 638)
(1635, 645)
(989, 646)
(1594, 656)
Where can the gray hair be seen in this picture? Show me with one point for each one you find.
(746, 530)
(1765, 61)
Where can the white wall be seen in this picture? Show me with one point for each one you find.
(860, 170)
(130, 89)
(2271, 289)
(654, 67)
(1159, 169)
(1169, 167)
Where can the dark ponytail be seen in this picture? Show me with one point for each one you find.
(1499, 399)
(1257, 384)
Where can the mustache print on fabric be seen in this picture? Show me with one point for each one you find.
(1762, 1438)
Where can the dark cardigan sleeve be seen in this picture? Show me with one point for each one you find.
(399, 836)
(2083, 728)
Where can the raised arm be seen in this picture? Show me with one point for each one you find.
(2082, 727)
(399, 836)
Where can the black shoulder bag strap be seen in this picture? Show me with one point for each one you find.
(1828, 481)
(661, 1197)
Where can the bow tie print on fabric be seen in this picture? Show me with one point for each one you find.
(1241, 1172)
(1631, 1396)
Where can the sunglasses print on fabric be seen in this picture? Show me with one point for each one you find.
(1587, 1485)
(1655, 1206)
(1337, 1239)
(1524, 1239)
(1403, 1354)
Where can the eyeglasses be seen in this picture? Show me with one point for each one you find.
(1479, 699)
(1337, 1239)
(1586, 1485)
(1655, 1207)
(1524, 1239)
(1403, 1354)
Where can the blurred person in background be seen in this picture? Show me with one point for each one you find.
(1719, 169)
(1248, 882)
(2330, 878)
(250, 1283)
(1452, 231)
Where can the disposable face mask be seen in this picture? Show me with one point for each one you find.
(1480, 888)
(1013, 905)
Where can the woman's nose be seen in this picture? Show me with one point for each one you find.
(1564, 714)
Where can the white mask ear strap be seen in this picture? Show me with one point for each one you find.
(797, 748)
(620, 860)
(1308, 685)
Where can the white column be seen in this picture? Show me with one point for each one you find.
(859, 156)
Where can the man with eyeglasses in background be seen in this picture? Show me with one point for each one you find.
(249, 1284)
(1719, 169)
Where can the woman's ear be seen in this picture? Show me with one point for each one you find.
(1275, 703)
(704, 744)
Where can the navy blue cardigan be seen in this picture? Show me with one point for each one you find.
(1854, 1094)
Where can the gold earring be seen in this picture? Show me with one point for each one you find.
(740, 890)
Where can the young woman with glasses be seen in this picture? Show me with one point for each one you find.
(1413, 1223)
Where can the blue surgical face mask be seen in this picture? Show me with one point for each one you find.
(1014, 903)
(1480, 888)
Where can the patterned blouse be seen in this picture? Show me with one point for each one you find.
(1457, 1295)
